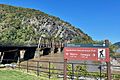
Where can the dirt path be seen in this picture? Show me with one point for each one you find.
(58, 57)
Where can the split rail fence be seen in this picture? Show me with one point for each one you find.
(75, 70)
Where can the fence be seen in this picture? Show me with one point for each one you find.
(75, 70)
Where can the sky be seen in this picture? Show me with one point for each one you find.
(100, 19)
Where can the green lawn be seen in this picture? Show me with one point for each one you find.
(19, 75)
(16, 75)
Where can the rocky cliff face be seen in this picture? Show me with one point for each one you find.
(22, 25)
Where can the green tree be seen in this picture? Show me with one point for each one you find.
(113, 49)
(80, 70)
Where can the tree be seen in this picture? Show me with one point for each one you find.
(113, 49)
(80, 70)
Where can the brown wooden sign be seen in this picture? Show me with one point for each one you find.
(84, 53)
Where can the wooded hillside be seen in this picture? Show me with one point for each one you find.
(21, 26)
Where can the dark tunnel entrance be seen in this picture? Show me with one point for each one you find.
(13, 55)
(10, 56)
(29, 53)
(46, 51)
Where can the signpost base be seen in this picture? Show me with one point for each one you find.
(108, 71)
(65, 69)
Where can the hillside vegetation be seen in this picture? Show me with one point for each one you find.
(117, 44)
(21, 26)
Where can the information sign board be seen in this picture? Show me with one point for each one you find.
(85, 53)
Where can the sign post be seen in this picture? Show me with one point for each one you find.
(108, 64)
(100, 67)
(108, 71)
(65, 69)
(87, 52)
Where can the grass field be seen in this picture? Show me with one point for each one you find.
(19, 75)
(16, 75)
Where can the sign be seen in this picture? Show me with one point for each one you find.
(85, 53)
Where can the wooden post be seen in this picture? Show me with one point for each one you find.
(49, 70)
(72, 76)
(27, 66)
(65, 69)
(19, 63)
(108, 71)
(37, 68)
(108, 64)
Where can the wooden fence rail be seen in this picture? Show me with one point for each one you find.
(56, 69)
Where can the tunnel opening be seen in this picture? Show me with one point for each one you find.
(55, 50)
(10, 56)
(29, 53)
(46, 51)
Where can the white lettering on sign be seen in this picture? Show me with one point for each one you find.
(81, 50)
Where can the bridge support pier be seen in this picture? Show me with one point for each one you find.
(1, 56)
(38, 53)
(22, 52)
(52, 51)
(59, 50)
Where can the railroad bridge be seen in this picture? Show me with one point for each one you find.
(28, 51)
